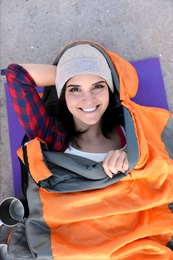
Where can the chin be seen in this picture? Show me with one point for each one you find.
(91, 123)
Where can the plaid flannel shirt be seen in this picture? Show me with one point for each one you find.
(29, 108)
(31, 112)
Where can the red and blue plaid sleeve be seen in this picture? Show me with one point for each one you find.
(28, 105)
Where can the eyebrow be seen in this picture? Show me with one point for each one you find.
(94, 84)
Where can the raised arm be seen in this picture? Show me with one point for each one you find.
(29, 108)
(43, 74)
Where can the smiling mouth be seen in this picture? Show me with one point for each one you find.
(91, 109)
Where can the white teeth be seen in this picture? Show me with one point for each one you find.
(89, 109)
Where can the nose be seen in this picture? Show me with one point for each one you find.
(88, 96)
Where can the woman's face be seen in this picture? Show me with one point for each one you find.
(87, 97)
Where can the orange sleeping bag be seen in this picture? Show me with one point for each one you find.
(75, 216)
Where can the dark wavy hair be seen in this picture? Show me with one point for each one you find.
(112, 116)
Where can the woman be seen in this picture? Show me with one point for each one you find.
(129, 218)
(87, 124)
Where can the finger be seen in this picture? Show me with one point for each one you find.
(114, 161)
(122, 163)
(126, 164)
(107, 171)
(105, 165)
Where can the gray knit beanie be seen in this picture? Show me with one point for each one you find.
(82, 59)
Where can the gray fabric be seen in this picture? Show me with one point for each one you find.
(167, 137)
(170, 244)
(28, 235)
(3, 252)
(72, 173)
(131, 139)
(35, 226)
(21, 251)
(170, 206)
